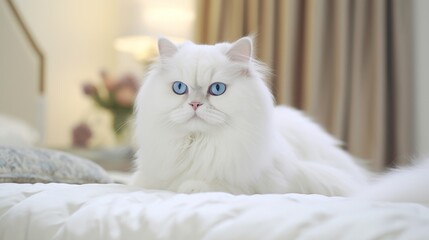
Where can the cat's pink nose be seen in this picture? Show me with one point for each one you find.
(195, 105)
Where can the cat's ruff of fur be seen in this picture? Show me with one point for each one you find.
(238, 142)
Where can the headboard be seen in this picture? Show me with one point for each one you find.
(21, 69)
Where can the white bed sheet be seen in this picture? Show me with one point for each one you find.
(113, 211)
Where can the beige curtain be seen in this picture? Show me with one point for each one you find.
(345, 62)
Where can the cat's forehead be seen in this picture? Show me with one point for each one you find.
(198, 64)
(204, 54)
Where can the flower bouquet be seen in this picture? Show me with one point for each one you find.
(115, 95)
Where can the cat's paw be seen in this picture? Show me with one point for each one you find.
(193, 186)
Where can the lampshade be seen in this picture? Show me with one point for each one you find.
(143, 21)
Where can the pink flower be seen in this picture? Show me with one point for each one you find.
(126, 90)
(109, 83)
(125, 96)
(89, 89)
(129, 80)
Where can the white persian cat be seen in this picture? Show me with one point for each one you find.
(207, 122)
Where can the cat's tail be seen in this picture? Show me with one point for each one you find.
(408, 184)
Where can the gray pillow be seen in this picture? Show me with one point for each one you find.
(33, 165)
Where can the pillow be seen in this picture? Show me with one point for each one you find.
(17, 133)
(32, 165)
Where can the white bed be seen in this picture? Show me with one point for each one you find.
(114, 211)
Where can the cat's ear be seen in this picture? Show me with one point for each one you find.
(166, 48)
(241, 50)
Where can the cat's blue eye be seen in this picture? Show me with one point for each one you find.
(179, 88)
(217, 88)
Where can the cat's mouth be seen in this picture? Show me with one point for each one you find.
(196, 116)
(201, 117)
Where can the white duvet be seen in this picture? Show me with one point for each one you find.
(113, 211)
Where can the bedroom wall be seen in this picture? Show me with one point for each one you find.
(421, 51)
(77, 39)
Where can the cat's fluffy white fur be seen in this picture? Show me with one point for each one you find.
(238, 142)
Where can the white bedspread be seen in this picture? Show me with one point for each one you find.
(112, 211)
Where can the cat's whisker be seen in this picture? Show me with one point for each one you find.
(168, 123)
(213, 116)
(124, 124)
(180, 115)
